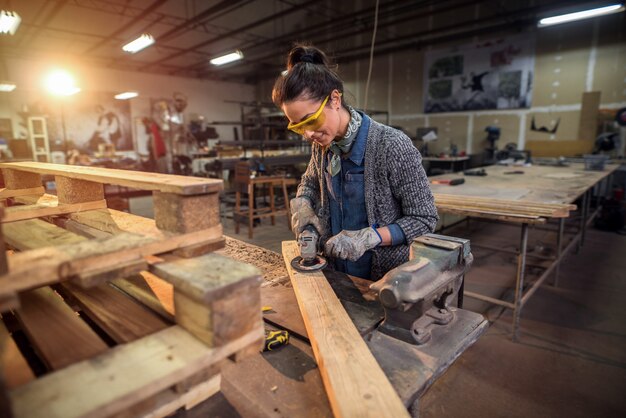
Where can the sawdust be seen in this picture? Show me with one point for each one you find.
(269, 262)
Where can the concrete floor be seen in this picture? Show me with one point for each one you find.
(570, 360)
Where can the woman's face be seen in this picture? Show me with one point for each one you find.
(300, 110)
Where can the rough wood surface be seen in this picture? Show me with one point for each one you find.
(112, 382)
(6, 193)
(355, 384)
(178, 213)
(544, 192)
(14, 179)
(78, 191)
(207, 277)
(119, 316)
(23, 212)
(13, 367)
(285, 383)
(140, 180)
(59, 336)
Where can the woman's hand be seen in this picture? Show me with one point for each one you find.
(351, 245)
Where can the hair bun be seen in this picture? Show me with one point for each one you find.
(306, 54)
(307, 58)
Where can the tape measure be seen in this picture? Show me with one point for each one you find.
(275, 339)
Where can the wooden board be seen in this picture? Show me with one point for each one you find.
(284, 312)
(355, 384)
(122, 318)
(6, 193)
(119, 316)
(59, 336)
(22, 212)
(137, 179)
(13, 366)
(112, 382)
(285, 383)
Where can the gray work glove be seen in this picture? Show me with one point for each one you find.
(351, 245)
(302, 214)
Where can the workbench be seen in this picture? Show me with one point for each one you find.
(451, 164)
(526, 196)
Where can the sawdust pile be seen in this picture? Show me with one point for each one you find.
(269, 262)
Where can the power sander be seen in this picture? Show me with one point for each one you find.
(308, 260)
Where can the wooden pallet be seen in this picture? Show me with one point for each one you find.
(126, 316)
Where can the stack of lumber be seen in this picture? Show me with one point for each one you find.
(509, 210)
(105, 313)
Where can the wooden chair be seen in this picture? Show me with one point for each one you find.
(245, 184)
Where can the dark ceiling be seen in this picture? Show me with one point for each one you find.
(190, 32)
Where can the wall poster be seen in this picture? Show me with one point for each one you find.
(495, 74)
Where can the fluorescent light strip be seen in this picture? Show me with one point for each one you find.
(585, 14)
(9, 21)
(225, 59)
(126, 95)
(7, 86)
(138, 44)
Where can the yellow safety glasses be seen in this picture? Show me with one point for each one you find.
(312, 123)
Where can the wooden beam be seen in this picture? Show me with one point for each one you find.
(7, 193)
(355, 384)
(167, 183)
(22, 212)
(114, 381)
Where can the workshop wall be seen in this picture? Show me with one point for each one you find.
(204, 98)
(569, 60)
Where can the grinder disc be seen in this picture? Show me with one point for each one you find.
(299, 264)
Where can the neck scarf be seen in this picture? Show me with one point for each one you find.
(344, 145)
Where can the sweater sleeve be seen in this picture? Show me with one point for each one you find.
(310, 182)
(410, 188)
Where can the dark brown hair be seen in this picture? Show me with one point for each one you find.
(309, 76)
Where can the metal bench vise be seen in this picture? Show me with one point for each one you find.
(418, 295)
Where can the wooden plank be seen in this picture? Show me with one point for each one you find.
(355, 384)
(6, 193)
(35, 233)
(150, 290)
(118, 315)
(13, 366)
(58, 335)
(122, 318)
(114, 381)
(137, 179)
(43, 266)
(285, 383)
(23, 212)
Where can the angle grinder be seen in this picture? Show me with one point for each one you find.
(308, 260)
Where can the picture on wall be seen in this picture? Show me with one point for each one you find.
(491, 75)
(92, 119)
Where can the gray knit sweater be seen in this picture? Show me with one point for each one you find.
(396, 191)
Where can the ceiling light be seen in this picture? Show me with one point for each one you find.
(585, 14)
(138, 44)
(7, 86)
(61, 83)
(126, 95)
(225, 59)
(9, 21)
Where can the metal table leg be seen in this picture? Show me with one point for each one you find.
(559, 249)
(519, 284)
(583, 219)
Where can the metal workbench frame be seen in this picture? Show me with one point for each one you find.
(521, 295)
